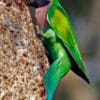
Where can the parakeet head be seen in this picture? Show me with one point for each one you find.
(38, 3)
(41, 7)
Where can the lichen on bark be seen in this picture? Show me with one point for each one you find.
(23, 61)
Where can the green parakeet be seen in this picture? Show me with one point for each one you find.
(61, 43)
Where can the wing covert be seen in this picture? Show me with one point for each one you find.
(58, 20)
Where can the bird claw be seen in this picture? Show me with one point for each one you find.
(39, 32)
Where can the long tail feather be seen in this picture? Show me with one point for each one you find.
(79, 72)
(53, 75)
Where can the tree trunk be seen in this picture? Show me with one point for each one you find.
(23, 61)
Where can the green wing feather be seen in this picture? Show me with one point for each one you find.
(58, 20)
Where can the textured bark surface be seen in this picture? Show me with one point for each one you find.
(22, 56)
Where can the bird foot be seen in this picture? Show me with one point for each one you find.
(38, 30)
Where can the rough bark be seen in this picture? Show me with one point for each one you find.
(23, 61)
